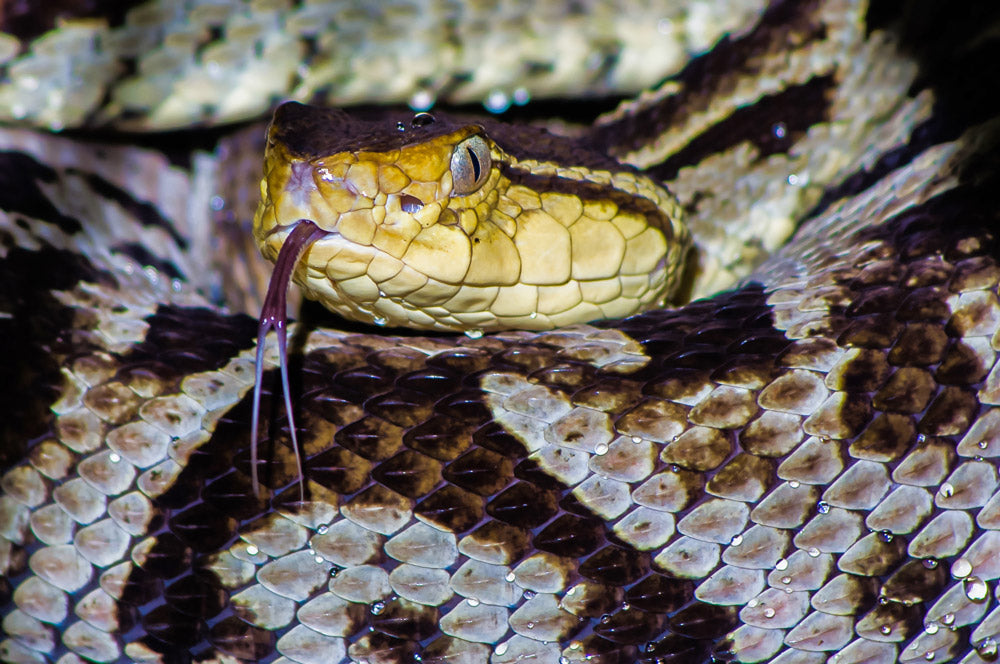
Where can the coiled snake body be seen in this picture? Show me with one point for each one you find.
(800, 469)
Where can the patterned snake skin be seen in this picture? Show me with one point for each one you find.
(801, 469)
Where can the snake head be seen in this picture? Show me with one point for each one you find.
(435, 223)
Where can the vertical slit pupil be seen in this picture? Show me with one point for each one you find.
(476, 168)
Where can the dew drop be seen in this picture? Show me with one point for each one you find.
(813, 552)
(474, 333)
(794, 484)
(982, 444)
(115, 457)
(769, 612)
(379, 320)
(782, 564)
(533, 315)
(381, 293)
(930, 563)
(636, 439)
(929, 656)
(522, 96)
(252, 550)
(500, 649)
(961, 568)
(322, 529)
(786, 580)
(319, 560)
(472, 601)
(529, 594)
(753, 603)
(885, 535)
(509, 577)
(946, 490)
(932, 628)
(377, 608)
(400, 126)
(948, 619)
(823, 507)
(975, 589)
(779, 130)
(736, 541)
(921, 438)
(422, 120)
(885, 629)
(987, 649)
(601, 449)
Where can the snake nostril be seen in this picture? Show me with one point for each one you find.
(409, 203)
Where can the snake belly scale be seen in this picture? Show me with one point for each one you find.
(802, 468)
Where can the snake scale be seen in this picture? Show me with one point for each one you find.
(799, 469)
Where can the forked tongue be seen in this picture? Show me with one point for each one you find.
(272, 315)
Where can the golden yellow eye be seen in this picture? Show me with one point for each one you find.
(470, 165)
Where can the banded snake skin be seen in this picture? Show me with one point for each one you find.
(799, 469)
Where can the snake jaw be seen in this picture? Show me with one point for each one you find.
(273, 315)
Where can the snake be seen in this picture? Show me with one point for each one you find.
(799, 464)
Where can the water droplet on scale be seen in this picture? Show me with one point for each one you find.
(736, 541)
(472, 601)
(823, 507)
(601, 449)
(474, 333)
(422, 120)
(379, 320)
(975, 589)
(987, 649)
(961, 568)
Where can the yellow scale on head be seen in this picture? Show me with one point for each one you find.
(436, 224)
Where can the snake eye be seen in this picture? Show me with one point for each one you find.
(470, 165)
